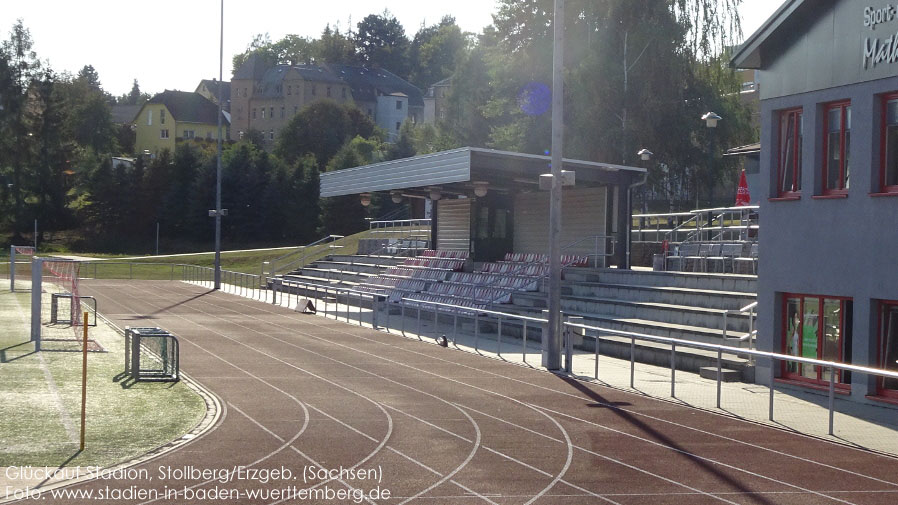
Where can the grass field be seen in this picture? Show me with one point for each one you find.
(40, 399)
(246, 261)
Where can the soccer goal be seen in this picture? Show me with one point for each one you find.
(57, 306)
(151, 354)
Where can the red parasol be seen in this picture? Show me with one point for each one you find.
(742, 196)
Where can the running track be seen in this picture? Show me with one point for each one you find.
(448, 427)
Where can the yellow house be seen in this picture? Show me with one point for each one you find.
(171, 116)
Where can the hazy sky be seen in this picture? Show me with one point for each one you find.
(169, 44)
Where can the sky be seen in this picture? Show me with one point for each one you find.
(173, 44)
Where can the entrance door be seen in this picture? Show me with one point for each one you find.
(888, 338)
(493, 227)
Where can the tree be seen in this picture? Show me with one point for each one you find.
(262, 47)
(321, 128)
(334, 47)
(435, 51)
(345, 215)
(381, 42)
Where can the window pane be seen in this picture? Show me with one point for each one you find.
(834, 120)
(847, 159)
(890, 344)
(787, 154)
(832, 161)
(892, 112)
(832, 333)
(892, 155)
(809, 334)
(793, 330)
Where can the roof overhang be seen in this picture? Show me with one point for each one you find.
(750, 53)
(457, 170)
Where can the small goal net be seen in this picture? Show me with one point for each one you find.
(57, 306)
(20, 266)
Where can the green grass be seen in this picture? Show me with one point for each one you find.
(122, 421)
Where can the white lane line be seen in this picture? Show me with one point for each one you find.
(567, 463)
(458, 468)
(446, 401)
(308, 373)
(681, 451)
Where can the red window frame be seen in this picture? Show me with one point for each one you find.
(883, 156)
(793, 116)
(784, 365)
(840, 188)
(880, 390)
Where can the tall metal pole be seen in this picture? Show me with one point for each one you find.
(218, 161)
(551, 357)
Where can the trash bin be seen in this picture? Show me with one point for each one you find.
(658, 262)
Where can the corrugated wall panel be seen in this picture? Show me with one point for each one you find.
(582, 215)
(454, 225)
(427, 170)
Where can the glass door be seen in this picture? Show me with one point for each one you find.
(889, 347)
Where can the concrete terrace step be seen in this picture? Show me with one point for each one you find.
(383, 260)
(726, 300)
(333, 273)
(346, 266)
(678, 314)
(690, 280)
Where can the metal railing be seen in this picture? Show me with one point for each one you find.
(604, 239)
(752, 333)
(297, 259)
(416, 233)
(699, 225)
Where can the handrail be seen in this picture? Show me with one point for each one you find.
(748, 309)
(596, 254)
(277, 265)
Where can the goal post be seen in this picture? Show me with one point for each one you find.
(55, 298)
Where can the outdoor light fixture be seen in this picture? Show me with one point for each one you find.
(365, 199)
(645, 154)
(396, 196)
(435, 194)
(711, 119)
(481, 188)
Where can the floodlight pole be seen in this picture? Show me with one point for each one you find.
(551, 358)
(217, 284)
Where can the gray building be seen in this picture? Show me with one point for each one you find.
(828, 275)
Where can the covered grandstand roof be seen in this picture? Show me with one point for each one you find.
(461, 167)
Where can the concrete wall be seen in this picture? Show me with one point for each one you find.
(835, 247)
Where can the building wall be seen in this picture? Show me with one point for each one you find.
(582, 216)
(391, 112)
(834, 247)
(149, 128)
(200, 130)
(826, 49)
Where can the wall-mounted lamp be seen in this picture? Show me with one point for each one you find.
(435, 193)
(365, 199)
(481, 188)
(645, 154)
(396, 196)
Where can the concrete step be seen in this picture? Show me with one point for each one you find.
(664, 313)
(348, 266)
(372, 259)
(333, 273)
(706, 281)
(726, 374)
(724, 300)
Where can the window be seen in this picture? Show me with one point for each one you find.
(789, 176)
(208, 135)
(149, 118)
(254, 113)
(283, 114)
(239, 113)
(240, 134)
(163, 134)
(271, 113)
(817, 327)
(398, 104)
(888, 347)
(161, 116)
(189, 134)
(370, 113)
(836, 147)
(398, 125)
(271, 135)
(295, 110)
(289, 89)
(244, 92)
(263, 112)
(888, 177)
(328, 91)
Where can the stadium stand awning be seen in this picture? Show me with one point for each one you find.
(457, 170)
